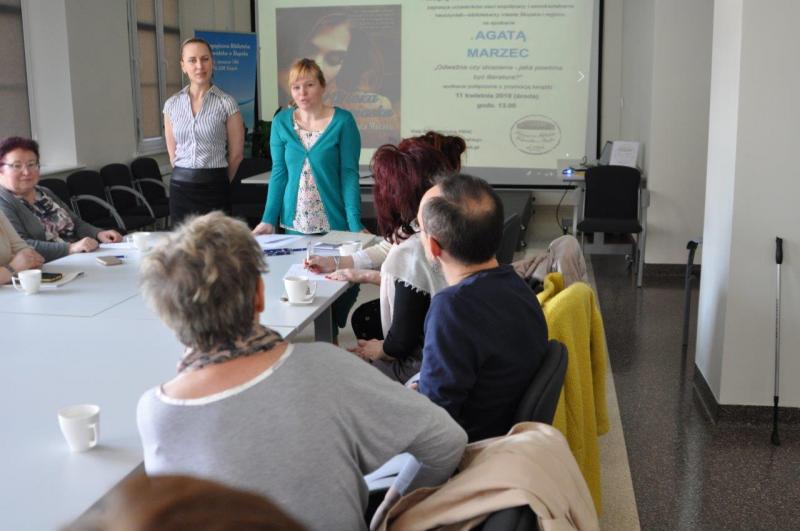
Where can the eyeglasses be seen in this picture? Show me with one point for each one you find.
(19, 166)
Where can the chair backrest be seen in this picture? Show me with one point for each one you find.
(511, 230)
(118, 175)
(147, 168)
(520, 518)
(252, 166)
(88, 182)
(58, 187)
(612, 192)
(539, 402)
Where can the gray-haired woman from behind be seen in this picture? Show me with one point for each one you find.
(301, 423)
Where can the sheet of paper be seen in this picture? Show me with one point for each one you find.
(297, 270)
(117, 246)
(277, 241)
(624, 153)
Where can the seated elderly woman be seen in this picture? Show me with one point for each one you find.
(300, 424)
(15, 254)
(41, 218)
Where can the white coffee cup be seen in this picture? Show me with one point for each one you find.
(299, 290)
(28, 281)
(80, 425)
(141, 240)
(348, 248)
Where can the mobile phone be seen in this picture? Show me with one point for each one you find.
(109, 260)
(51, 277)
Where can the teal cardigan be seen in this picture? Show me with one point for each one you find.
(334, 162)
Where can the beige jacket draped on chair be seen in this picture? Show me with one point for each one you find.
(532, 466)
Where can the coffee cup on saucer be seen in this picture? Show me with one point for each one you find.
(299, 290)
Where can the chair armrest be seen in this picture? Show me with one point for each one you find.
(152, 181)
(136, 193)
(104, 204)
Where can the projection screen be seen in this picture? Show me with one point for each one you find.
(516, 79)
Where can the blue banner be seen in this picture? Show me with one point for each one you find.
(235, 59)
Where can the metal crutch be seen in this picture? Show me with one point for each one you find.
(778, 260)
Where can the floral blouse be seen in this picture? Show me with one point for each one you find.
(58, 225)
(310, 217)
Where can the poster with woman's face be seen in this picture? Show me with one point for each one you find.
(358, 50)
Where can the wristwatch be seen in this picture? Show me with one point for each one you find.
(11, 269)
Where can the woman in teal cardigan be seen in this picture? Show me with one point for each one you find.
(315, 149)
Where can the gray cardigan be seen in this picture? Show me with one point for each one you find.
(31, 229)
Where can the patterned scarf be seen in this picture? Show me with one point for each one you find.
(58, 226)
(259, 339)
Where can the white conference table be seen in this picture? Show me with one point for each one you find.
(95, 341)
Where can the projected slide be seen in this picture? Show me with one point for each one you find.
(512, 77)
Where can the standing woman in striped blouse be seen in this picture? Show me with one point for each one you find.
(200, 122)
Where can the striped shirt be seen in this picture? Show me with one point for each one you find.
(201, 141)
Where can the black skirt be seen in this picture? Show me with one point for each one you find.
(197, 192)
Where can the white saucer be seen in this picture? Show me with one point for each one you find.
(302, 303)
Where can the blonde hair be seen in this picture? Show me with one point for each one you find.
(306, 68)
(196, 40)
(202, 280)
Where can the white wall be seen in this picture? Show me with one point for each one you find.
(754, 201)
(49, 81)
(665, 64)
(720, 186)
(676, 152)
(99, 63)
(638, 21)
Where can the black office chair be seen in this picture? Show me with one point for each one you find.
(58, 187)
(508, 244)
(148, 180)
(520, 518)
(612, 207)
(540, 400)
(247, 200)
(129, 202)
(538, 404)
(88, 198)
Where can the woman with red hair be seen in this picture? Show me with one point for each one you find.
(390, 330)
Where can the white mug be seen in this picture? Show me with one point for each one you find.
(141, 240)
(299, 289)
(80, 426)
(28, 281)
(348, 248)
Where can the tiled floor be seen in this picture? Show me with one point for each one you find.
(687, 472)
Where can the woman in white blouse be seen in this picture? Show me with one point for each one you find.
(200, 122)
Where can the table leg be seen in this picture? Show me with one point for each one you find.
(323, 326)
